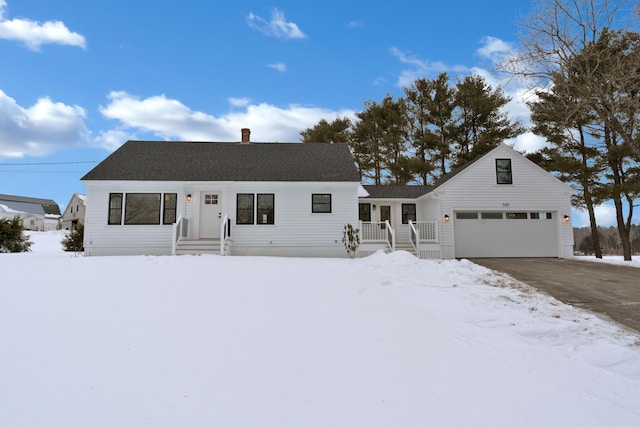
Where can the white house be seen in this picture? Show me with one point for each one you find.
(244, 198)
(500, 205)
(74, 213)
(34, 213)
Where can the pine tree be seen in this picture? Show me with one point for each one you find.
(12, 237)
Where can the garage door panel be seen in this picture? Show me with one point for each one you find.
(505, 238)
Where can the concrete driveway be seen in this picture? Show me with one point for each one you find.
(602, 288)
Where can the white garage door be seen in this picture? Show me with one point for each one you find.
(505, 234)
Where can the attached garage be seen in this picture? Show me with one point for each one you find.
(505, 234)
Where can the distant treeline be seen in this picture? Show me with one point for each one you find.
(609, 240)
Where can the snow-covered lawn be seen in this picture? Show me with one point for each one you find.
(618, 260)
(387, 340)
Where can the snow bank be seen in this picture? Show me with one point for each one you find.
(388, 340)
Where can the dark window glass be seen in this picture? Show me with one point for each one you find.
(408, 213)
(516, 215)
(364, 212)
(491, 215)
(466, 215)
(321, 203)
(142, 209)
(115, 209)
(244, 209)
(503, 171)
(169, 211)
(265, 209)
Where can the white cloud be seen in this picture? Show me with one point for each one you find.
(420, 68)
(34, 34)
(112, 139)
(239, 102)
(495, 49)
(276, 27)
(280, 67)
(41, 128)
(170, 119)
(354, 24)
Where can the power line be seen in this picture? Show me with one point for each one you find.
(47, 163)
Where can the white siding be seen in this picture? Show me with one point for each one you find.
(296, 232)
(103, 239)
(533, 190)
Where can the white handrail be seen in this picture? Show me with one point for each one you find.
(391, 236)
(175, 234)
(414, 236)
(225, 233)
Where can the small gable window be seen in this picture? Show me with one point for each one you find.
(503, 171)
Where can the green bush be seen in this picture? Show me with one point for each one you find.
(12, 237)
(74, 241)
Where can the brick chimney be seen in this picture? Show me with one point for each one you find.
(246, 136)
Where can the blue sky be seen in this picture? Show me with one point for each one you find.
(79, 78)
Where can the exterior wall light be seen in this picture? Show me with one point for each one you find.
(565, 218)
(188, 197)
(373, 207)
(446, 218)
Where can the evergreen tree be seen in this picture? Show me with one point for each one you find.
(74, 240)
(430, 105)
(579, 163)
(12, 237)
(338, 131)
(481, 124)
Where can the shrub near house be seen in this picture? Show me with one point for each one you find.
(12, 237)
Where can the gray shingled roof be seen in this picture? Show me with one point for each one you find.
(396, 191)
(30, 204)
(226, 161)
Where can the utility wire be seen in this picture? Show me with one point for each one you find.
(47, 163)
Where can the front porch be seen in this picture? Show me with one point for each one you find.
(422, 240)
(182, 244)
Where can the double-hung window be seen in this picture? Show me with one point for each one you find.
(169, 208)
(115, 209)
(244, 208)
(321, 203)
(364, 212)
(408, 212)
(265, 209)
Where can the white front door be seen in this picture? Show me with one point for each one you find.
(210, 215)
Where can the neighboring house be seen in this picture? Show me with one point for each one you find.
(35, 214)
(500, 205)
(74, 213)
(288, 199)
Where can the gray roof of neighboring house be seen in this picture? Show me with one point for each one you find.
(396, 191)
(30, 204)
(227, 161)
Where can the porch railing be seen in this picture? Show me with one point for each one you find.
(414, 236)
(391, 236)
(180, 231)
(225, 234)
(427, 231)
(377, 232)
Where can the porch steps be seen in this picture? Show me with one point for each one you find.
(197, 247)
(406, 247)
